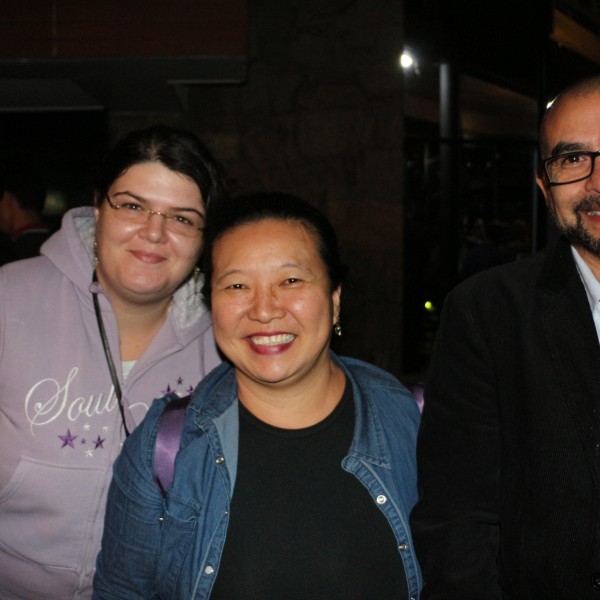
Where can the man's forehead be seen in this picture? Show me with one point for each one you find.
(573, 119)
(574, 104)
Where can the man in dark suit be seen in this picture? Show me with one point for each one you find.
(509, 447)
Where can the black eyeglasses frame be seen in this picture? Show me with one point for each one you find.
(592, 154)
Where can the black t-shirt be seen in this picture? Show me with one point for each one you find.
(300, 526)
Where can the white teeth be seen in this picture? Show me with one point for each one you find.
(595, 213)
(272, 340)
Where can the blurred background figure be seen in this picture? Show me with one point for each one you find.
(486, 245)
(22, 197)
(6, 249)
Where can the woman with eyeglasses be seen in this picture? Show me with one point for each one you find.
(108, 318)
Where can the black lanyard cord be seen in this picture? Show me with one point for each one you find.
(109, 359)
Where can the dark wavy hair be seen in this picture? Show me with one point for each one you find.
(253, 208)
(177, 149)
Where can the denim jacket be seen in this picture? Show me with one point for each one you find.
(157, 547)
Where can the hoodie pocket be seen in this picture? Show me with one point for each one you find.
(51, 515)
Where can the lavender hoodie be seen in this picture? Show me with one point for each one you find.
(60, 428)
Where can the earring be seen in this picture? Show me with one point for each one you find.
(337, 328)
(95, 254)
(196, 280)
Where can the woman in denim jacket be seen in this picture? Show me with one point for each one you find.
(296, 470)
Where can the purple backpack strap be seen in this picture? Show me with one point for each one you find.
(418, 392)
(168, 438)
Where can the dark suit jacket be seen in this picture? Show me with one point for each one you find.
(509, 446)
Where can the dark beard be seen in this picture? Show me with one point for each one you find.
(577, 234)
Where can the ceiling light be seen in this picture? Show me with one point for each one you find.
(406, 60)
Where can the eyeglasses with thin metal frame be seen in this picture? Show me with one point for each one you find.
(180, 224)
(570, 167)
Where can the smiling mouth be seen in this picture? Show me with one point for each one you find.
(149, 258)
(272, 340)
(589, 205)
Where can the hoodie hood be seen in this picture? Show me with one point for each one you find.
(70, 249)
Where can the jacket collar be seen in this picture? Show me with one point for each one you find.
(572, 341)
(368, 441)
(558, 270)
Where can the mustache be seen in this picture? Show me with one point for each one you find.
(590, 203)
